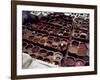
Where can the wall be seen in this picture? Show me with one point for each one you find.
(5, 32)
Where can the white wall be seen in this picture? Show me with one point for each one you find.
(5, 26)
